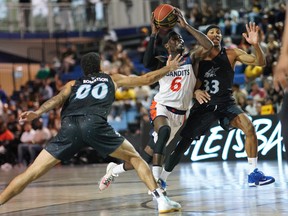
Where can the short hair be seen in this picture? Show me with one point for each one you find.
(90, 63)
(211, 27)
(167, 37)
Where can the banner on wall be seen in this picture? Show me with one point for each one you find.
(218, 144)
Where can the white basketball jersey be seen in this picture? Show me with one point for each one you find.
(177, 87)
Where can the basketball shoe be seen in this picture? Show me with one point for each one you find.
(165, 205)
(257, 178)
(107, 179)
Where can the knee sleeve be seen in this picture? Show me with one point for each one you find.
(163, 137)
(151, 143)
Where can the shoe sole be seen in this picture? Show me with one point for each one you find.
(270, 181)
(169, 210)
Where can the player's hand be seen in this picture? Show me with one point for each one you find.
(251, 36)
(202, 96)
(28, 116)
(154, 27)
(181, 20)
(175, 63)
(280, 77)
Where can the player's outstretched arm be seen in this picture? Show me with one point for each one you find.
(50, 104)
(252, 37)
(148, 78)
(202, 39)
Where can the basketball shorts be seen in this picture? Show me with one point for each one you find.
(201, 119)
(176, 118)
(78, 132)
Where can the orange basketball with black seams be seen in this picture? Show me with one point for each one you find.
(164, 16)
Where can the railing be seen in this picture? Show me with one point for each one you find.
(49, 16)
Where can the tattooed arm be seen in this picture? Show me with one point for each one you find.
(52, 103)
(202, 39)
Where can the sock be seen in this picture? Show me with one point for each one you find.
(164, 175)
(157, 193)
(252, 164)
(118, 169)
(156, 170)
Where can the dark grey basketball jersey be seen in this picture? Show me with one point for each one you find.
(217, 78)
(91, 95)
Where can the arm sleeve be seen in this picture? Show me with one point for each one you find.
(149, 59)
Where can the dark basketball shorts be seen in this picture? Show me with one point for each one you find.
(78, 132)
(201, 119)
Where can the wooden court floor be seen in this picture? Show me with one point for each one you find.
(202, 188)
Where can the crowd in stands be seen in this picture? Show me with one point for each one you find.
(20, 143)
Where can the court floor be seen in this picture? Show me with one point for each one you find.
(202, 188)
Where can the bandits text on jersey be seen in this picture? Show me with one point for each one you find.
(183, 72)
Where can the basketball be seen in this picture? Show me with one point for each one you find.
(164, 16)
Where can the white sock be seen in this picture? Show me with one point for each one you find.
(156, 170)
(252, 164)
(118, 169)
(164, 175)
(158, 194)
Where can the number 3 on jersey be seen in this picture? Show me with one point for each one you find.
(212, 87)
(176, 84)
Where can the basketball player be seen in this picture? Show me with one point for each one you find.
(83, 126)
(281, 81)
(170, 105)
(216, 76)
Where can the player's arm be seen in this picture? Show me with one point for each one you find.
(149, 60)
(205, 43)
(50, 104)
(252, 37)
(148, 78)
(200, 95)
(280, 78)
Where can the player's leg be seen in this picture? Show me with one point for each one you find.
(198, 122)
(242, 122)
(42, 164)
(162, 134)
(128, 153)
(284, 122)
(255, 177)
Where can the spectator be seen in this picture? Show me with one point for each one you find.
(25, 6)
(41, 137)
(237, 92)
(65, 13)
(251, 107)
(6, 136)
(27, 138)
(90, 14)
(43, 72)
(3, 95)
(258, 94)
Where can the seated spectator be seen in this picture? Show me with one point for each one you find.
(27, 138)
(237, 92)
(6, 136)
(41, 137)
(43, 73)
(68, 58)
(259, 94)
(251, 107)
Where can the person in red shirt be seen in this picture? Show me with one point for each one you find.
(258, 94)
(6, 136)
